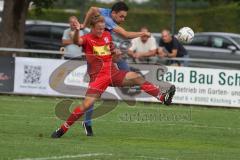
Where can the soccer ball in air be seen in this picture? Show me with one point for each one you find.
(185, 35)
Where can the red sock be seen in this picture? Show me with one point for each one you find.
(77, 113)
(152, 90)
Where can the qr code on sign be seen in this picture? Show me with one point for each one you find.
(32, 74)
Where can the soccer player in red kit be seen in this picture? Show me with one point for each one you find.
(103, 72)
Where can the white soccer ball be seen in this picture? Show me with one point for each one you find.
(185, 35)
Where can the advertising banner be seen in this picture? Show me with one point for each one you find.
(199, 86)
(6, 74)
(32, 75)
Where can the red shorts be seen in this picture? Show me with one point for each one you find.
(101, 81)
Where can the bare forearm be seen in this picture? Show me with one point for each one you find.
(130, 53)
(87, 18)
(76, 37)
(171, 55)
(131, 35)
(149, 53)
(91, 12)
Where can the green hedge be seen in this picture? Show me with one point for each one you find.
(224, 19)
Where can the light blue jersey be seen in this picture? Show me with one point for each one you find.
(106, 13)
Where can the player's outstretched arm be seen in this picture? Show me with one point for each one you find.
(93, 11)
(130, 35)
(76, 38)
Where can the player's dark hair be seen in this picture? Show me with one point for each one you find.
(120, 6)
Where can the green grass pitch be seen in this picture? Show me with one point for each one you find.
(145, 131)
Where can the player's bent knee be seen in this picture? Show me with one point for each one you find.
(135, 78)
(132, 75)
(88, 102)
(86, 105)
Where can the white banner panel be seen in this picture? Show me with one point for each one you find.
(32, 75)
(200, 86)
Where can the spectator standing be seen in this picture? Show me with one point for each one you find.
(72, 50)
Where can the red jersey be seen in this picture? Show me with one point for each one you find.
(98, 52)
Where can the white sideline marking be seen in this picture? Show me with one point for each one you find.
(146, 157)
(68, 156)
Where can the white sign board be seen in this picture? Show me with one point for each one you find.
(32, 75)
(200, 86)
